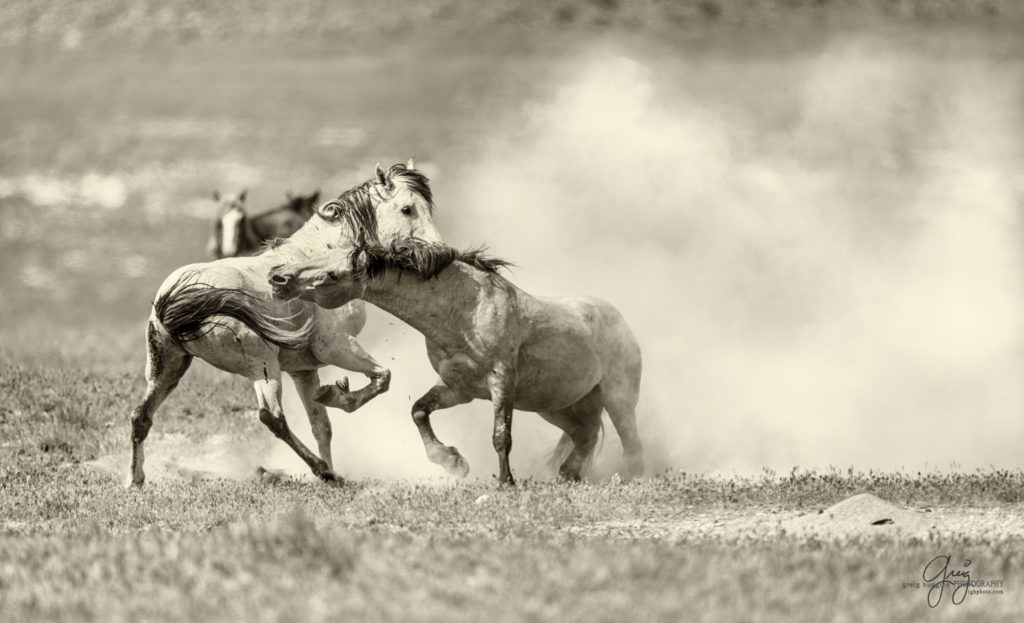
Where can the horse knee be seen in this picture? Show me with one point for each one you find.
(502, 441)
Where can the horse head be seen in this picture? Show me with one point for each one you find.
(395, 205)
(227, 226)
(303, 205)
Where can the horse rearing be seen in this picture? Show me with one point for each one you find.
(568, 359)
(224, 312)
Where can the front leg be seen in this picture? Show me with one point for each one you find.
(502, 384)
(440, 396)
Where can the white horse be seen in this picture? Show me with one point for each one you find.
(567, 359)
(224, 312)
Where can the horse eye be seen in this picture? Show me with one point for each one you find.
(407, 210)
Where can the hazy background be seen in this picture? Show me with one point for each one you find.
(810, 217)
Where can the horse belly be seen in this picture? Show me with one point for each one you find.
(555, 377)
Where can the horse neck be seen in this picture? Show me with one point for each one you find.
(249, 239)
(435, 306)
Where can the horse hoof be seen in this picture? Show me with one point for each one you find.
(569, 476)
(455, 465)
(331, 478)
(338, 396)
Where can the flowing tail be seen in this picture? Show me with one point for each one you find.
(186, 307)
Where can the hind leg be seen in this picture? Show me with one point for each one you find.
(267, 384)
(307, 383)
(582, 425)
(620, 398)
(562, 448)
(347, 353)
(166, 363)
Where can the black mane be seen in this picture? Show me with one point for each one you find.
(425, 259)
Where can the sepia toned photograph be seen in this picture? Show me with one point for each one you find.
(509, 310)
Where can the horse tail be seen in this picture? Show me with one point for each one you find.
(186, 308)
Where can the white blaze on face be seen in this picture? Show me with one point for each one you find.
(229, 232)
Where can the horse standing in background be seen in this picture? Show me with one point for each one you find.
(224, 312)
(237, 233)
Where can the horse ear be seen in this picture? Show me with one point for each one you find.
(410, 165)
(216, 195)
(384, 179)
(315, 196)
(241, 196)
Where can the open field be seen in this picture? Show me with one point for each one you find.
(811, 219)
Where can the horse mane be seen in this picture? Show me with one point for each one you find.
(425, 259)
(270, 244)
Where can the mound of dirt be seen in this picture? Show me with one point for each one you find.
(863, 514)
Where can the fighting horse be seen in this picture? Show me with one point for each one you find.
(567, 359)
(237, 233)
(224, 312)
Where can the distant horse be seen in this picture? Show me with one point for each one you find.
(567, 359)
(224, 312)
(236, 233)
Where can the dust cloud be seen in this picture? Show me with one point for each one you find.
(820, 255)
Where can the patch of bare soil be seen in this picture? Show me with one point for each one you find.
(860, 516)
(176, 457)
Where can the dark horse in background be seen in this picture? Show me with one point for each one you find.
(236, 233)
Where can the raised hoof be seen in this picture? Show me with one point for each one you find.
(338, 396)
(454, 464)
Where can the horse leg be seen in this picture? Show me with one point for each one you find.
(349, 354)
(620, 398)
(166, 362)
(582, 425)
(502, 384)
(267, 384)
(307, 382)
(562, 448)
(439, 396)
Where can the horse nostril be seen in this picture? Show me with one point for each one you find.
(279, 280)
(333, 276)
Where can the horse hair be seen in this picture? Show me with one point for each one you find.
(425, 259)
(186, 307)
(355, 208)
